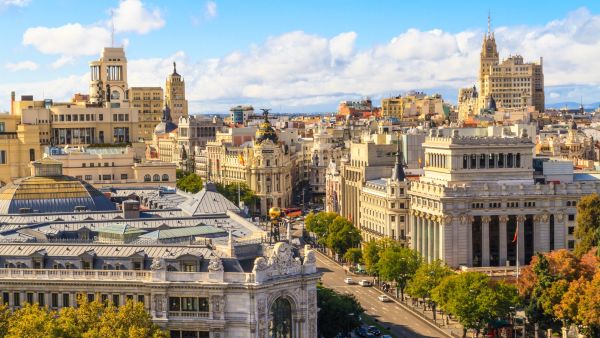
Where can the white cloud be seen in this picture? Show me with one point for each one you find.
(554, 95)
(70, 40)
(14, 3)
(23, 65)
(211, 9)
(62, 61)
(133, 16)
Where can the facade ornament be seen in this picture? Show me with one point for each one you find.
(156, 264)
(503, 219)
(309, 257)
(215, 264)
(260, 264)
(486, 219)
(521, 218)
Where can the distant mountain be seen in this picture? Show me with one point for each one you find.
(572, 105)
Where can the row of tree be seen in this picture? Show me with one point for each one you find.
(334, 232)
(88, 319)
(473, 298)
(337, 312)
(230, 191)
(188, 182)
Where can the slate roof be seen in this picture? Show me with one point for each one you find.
(183, 232)
(208, 202)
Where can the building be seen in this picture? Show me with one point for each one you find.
(413, 106)
(357, 109)
(149, 102)
(264, 164)
(112, 166)
(333, 188)
(200, 269)
(384, 205)
(370, 158)
(193, 133)
(175, 94)
(474, 192)
(241, 114)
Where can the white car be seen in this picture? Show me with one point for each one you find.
(364, 282)
(383, 298)
(348, 280)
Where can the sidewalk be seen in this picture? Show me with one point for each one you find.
(453, 329)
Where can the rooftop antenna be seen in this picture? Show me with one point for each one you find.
(112, 31)
(489, 22)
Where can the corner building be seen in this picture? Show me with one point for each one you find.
(476, 190)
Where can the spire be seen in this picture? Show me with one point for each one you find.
(398, 171)
(174, 68)
(489, 23)
(112, 31)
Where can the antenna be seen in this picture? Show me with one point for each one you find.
(489, 22)
(112, 31)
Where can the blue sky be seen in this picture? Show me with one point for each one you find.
(295, 55)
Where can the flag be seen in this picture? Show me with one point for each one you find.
(241, 158)
(516, 234)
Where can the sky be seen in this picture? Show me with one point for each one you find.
(295, 56)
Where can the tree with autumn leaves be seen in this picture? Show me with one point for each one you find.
(561, 289)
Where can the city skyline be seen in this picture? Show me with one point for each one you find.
(267, 55)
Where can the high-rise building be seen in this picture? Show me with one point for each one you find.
(175, 95)
(149, 102)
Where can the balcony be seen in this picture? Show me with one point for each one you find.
(72, 274)
(189, 314)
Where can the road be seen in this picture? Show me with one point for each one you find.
(402, 323)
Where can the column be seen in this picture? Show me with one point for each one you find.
(430, 243)
(559, 232)
(470, 240)
(435, 240)
(424, 236)
(413, 231)
(541, 233)
(485, 241)
(521, 238)
(502, 244)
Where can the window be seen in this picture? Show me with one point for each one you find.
(103, 298)
(147, 178)
(571, 217)
(571, 244)
(465, 161)
(101, 118)
(5, 297)
(32, 154)
(90, 297)
(54, 300)
(393, 218)
(123, 176)
(174, 304)
(156, 177)
(83, 165)
(17, 299)
(500, 160)
(140, 298)
(401, 219)
(165, 177)
(571, 230)
(88, 177)
(482, 161)
(492, 161)
(2, 127)
(115, 300)
(65, 298)
(473, 161)
(106, 177)
(2, 156)
(42, 299)
(30, 297)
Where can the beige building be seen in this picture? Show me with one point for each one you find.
(175, 95)
(19, 144)
(264, 164)
(112, 166)
(384, 205)
(149, 102)
(412, 106)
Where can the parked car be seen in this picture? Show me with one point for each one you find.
(361, 332)
(383, 298)
(364, 282)
(349, 280)
(373, 330)
(385, 336)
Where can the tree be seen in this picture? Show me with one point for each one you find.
(371, 251)
(568, 308)
(427, 277)
(587, 231)
(191, 183)
(474, 299)
(230, 191)
(589, 308)
(342, 235)
(398, 264)
(337, 312)
(353, 255)
(319, 223)
(32, 321)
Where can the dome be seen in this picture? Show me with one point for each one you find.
(265, 130)
(53, 192)
(166, 125)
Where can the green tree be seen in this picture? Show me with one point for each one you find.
(398, 264)
(371, 251)
(191, 183)
(230, 191)
(337, 312)
(129, 320)
(342, 235)
(319, 223)
(353, 255)
(474, 299)
(427, 277)
(587, 231)
(32, 321)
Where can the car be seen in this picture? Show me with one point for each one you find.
(383, 298)
(385, 336)
(364, 282)
(348, 280)
(373, 330)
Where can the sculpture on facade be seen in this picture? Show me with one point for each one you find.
(215, 264)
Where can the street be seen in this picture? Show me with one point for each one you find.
(401, 322)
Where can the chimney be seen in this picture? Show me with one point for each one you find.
(12, 102)
(131, 209)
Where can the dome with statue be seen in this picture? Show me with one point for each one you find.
(265, 130)
(166, 125)
(48, 190)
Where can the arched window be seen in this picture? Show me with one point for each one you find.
(156, 177)
(280, 325)
(115, 95)
(147, 178)
(165, 177)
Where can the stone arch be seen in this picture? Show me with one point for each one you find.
(282, 315)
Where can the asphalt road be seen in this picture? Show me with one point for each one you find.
(401, 322)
